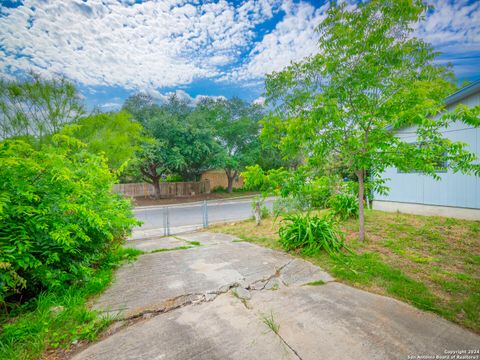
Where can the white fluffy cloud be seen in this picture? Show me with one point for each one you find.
(145, 45)
(293, 39)
(156, 44)
(452, 26)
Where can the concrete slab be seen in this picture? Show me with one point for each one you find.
(192, 313)
(156, 243)
(154, 280)
(208, 238)
(335, 321)
(300, 272)
(223, 329)
(146, 234)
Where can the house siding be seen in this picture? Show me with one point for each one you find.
(453, 190)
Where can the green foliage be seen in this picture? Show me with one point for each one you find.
(56, 319)
(114, 135)
(37, 106)
(310, 234)
(173, 178)
(59, 218)
(344, 205)
(270, 322)
(237, 128)
(300, 189)
(182, 141)
(269, 182)
(369, 78)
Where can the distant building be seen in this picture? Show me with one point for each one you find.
(455, 195)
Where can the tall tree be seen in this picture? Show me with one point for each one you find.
(37, 106)
(237, 128)
(184, 142)
(370, 77)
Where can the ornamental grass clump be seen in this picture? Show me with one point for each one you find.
(344, 206)
(310, 234)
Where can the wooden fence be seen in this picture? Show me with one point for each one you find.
(218, 178)
(167, 189)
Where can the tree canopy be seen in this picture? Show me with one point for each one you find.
(115, 135)
(37, 106)
(370, 77)
(237, 129)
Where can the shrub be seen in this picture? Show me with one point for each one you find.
(58, 216)
(174, 178)
(264, 212)
(318, 191)
(219, 189)
(344, 205)
(310, 234)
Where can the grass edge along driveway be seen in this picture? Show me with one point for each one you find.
(430, 262)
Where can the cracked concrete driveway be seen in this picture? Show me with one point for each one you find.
(227, 299)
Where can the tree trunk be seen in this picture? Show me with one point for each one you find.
(361, 215)
(156, 186)
(230, 178)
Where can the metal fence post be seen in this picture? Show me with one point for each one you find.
(205, 214)
(168, 221)
(164, 213)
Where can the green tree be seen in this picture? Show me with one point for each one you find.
(370, 77)
(37, 107)
(237, 129)
(142, 106)
(115, 135)
(183, 142)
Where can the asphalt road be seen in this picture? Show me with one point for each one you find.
(186, 217)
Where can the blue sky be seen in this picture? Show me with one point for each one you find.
(113, 48)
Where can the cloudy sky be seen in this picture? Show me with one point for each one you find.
(113, 48)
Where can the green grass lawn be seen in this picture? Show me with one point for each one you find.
(430, 262)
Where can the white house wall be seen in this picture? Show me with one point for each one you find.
(454, 190)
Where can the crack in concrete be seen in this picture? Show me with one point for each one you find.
(288, 345)
(191, 299)
(276, 274)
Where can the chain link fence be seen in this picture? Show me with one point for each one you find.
(187, 217)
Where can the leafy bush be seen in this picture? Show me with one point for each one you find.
(344, 205)
(311, 234)
(269, 182)
(58, 216)
(319, 191)
(174, 178)
(56, 319)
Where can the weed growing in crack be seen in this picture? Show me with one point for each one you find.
(242, 300)
(315, 283)
(171, 249)
(195, 243)
(270, 322)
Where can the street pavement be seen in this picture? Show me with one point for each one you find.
(189, 216)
